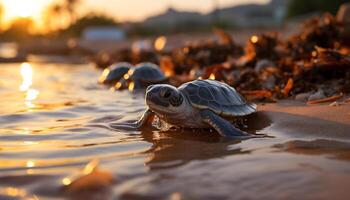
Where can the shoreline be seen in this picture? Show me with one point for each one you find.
(296, 119)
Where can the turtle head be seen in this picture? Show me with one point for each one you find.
(164, 99)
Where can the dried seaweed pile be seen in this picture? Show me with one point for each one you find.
(311, 65)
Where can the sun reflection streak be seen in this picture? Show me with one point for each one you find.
(30, 164)
(27, 81)
(27, 76)
(30, 142)
(32, 94)
(15, 192)
(91, 166)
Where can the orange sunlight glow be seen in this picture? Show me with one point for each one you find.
(27, 76)
(66, 181)
(254, 39)
(22, 8)
(32, 9)
(212, 76)
(160, 43)
(27, 81)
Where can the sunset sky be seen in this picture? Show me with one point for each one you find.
(130, 10)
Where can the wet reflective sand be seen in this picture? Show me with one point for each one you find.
(52, 124)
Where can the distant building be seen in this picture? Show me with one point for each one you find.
(103, 33)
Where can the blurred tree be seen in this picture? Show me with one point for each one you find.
(19, 30)
(89, 20)
(61, 14)
(71, 6)
(300, 7)
(54, 16)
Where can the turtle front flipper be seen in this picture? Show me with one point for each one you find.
(222, 126)
(143, 121)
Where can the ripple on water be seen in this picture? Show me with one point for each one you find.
(66, 126)
(16, 118)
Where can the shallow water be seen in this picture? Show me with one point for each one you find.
(51, 126)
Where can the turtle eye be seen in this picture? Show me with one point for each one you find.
(165, 93)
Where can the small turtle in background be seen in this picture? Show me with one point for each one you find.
(114, 73)
(196, 104)
(141, 76)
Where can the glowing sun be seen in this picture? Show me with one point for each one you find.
(24, 8)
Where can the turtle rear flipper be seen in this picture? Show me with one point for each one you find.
(222, 126)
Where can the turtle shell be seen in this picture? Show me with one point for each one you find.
(114, 73)
(217, 97)
(147, 73)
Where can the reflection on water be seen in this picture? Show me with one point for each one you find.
(47, 135)
(27, 81)
(169, 147)
(27, 76)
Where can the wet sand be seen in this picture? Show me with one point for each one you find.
(48, 138)
(323, 120)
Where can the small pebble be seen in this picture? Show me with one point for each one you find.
(302, 96)
(270, 82)
(262, 64)
(316, 96)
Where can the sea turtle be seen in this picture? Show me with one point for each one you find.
(114, 73)
(196, 104)
(141, 76)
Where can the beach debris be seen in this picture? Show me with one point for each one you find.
(92, 179)
(260, 95)
(267, 68)
(336, 103)
(261, 47)
(343, 14)
(330, 58)
(196, 104)
(320, 31)
(225, 38)
(288, 87)
(263, 64)
(325, 100)
(317, 95)
(302, 96)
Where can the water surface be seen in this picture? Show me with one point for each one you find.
(48, 131)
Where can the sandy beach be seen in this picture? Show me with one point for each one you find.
(301, 120)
